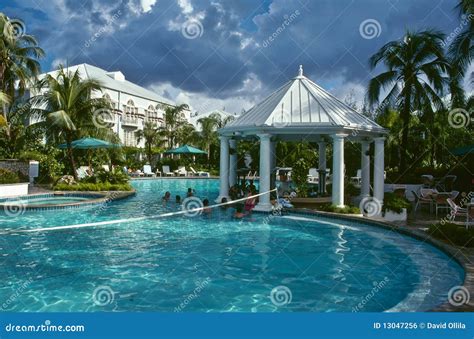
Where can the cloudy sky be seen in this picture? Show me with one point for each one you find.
(215, 54)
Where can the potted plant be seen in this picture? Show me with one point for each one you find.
(395, 208)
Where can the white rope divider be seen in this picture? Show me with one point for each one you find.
(120, 221)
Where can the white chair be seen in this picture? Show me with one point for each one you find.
(199, 173)
(313, 175)
(147, 171)
(82, 172)
(357, 180)
(181, 171)
(167, 172)
(106, 168)
(457, 211)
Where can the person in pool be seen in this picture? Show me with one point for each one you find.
(178, 200)
(166, 197)
(239, 212)
(190, 192)
(224, 201)
(252, 188)
(206, 209)
(250, 202)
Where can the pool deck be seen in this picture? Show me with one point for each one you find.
(416, 228)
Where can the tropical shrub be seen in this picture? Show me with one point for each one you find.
(100, 175)
(50, 169)
(300, 176)
(453, 233)
(395, 203)
(8, 177)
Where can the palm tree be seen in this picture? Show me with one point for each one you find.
(208, 133)
(174, 117)
(152, 135)
(68, 108)
(19, 64)
(414, 79)
(461, 51)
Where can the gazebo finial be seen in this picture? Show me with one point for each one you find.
(300, 71)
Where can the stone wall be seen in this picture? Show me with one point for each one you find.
(15, 166)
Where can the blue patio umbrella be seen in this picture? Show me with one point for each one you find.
(463, 150)
(88, 144)
(185, 149)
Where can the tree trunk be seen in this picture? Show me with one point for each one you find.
(71, 158)
(406, 114)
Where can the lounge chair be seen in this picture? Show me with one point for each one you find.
(199, 173)
(441, 201)
(357, 180)
(420, 200)
(167, 172)
(82, 172)
(181, 171)
(457, 211)
(147, 171)
(313, 175)
(106, 168)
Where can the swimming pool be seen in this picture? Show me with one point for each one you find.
(212, 263)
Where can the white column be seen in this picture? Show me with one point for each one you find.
(264, 174)
(379, 169)
(365, 168)
(338, 170)
(322, 155)
(224, 169)
(272, 155)
(233, 162)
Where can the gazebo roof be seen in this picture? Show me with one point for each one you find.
(301, 104)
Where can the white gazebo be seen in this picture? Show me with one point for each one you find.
(302, 110)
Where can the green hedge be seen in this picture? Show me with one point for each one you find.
(103, 186)
(452, 233)
(8, 177)
(342, 210)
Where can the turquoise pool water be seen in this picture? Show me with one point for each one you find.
(54, 200)
(211, 263)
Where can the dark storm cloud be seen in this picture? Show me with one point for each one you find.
(324, 36)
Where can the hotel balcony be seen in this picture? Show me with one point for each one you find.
(130, 122)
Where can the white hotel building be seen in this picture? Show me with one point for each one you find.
(133, 105)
